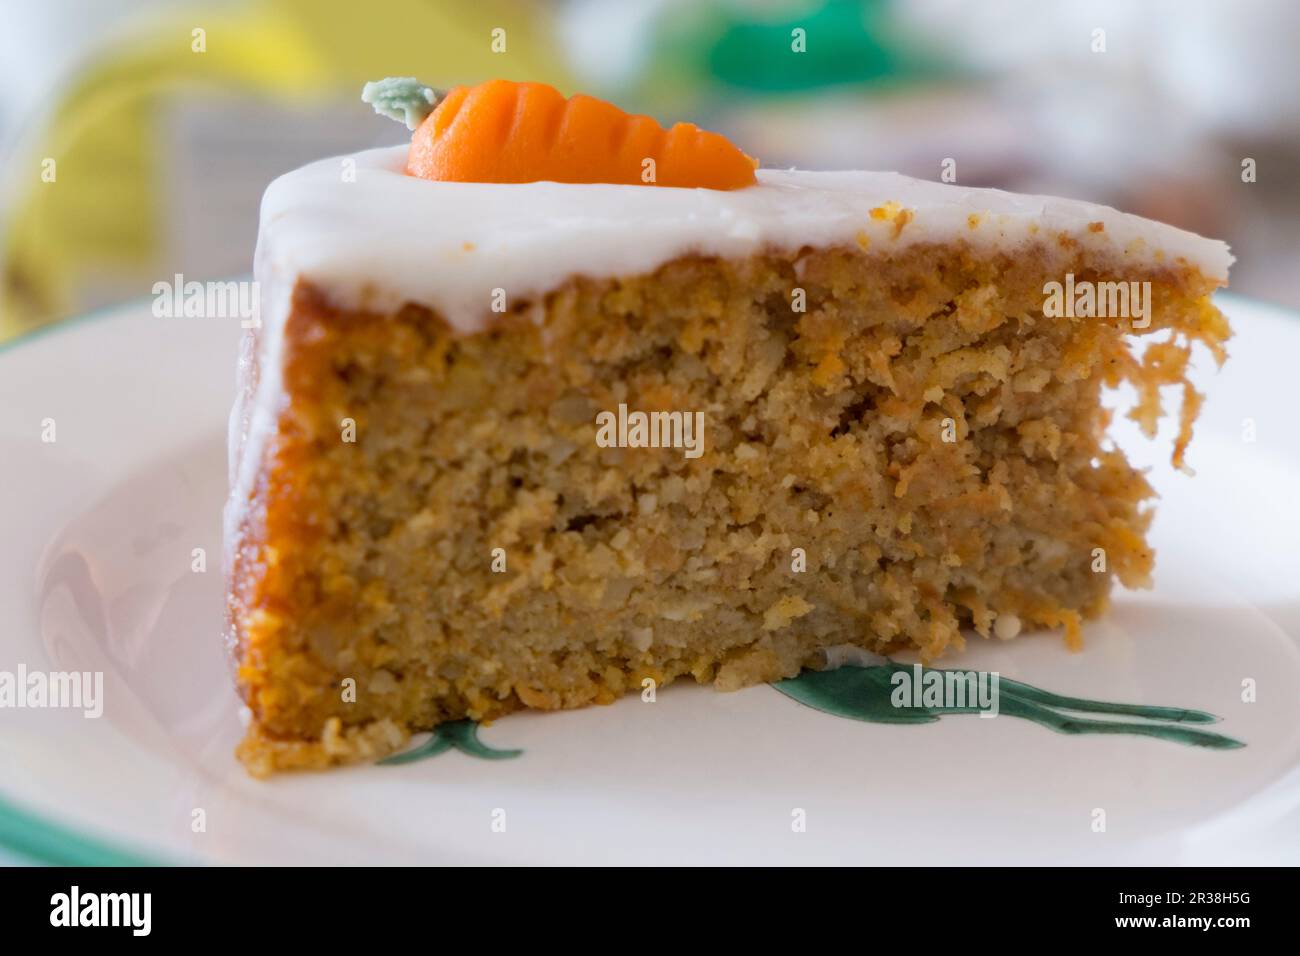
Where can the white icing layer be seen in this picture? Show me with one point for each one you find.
(380, 238)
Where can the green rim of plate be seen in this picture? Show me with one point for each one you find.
(36, 840)
(27, 835)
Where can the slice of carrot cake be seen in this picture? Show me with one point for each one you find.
(556, 401)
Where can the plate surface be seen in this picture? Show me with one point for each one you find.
(99, 572)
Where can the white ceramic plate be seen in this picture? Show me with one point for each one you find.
(96, 574)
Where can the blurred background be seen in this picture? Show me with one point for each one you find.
(136, 136)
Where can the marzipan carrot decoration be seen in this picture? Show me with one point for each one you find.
(507, 132)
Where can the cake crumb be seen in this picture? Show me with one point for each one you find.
(893, 212)
(789, 608)
(1006, 626)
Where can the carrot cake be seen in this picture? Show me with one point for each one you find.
(555, 402)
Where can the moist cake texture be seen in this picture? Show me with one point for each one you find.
(899, 442)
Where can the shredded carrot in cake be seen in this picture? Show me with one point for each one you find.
(1166, 363)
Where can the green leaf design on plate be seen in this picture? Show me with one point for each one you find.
(460, 735)
(864, 693)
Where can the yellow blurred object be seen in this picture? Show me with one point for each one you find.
(105, 213)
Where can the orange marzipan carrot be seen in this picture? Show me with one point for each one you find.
(507, 132)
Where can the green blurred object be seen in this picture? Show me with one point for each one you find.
(844, 41)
